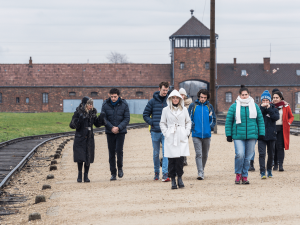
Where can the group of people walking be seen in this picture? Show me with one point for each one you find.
(173, 118)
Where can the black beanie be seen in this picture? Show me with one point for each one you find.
(84, 100)
(275, 89)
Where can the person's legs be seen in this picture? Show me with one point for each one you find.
(86, 172)
(179, 170)
(165, 159)
(172, 167)
(79, 166)
(156, 137)
(249, 149)
(262, 155)
(111, 142)
(119, 149)
(271, 148)
(239, 146)
(205, 150)
(280, 149)
(198, 149)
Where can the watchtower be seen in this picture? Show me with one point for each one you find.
(190, 47)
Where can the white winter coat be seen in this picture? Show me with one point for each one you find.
(175, 127)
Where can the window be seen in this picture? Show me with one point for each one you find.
(177, 43)
(0, 97)
(183, 43)
(27, 100)
(208, 43)
(93, 94)
(228, 97)
(139, 93)
(244, 73)
(191, 43)
(298, 72)
(257, 99)
(45, 98)
(72, 93)
(17, 100)
(204, 43)
(195, 42)
(207, 65)
(182, 65)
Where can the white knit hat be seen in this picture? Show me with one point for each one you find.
(182, 91)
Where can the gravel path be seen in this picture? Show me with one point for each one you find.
(137, 199)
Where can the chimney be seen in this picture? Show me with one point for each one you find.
(267, 65)
(30, 62)
(234, 63)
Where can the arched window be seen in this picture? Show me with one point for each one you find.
(192, 87)
(228, 97)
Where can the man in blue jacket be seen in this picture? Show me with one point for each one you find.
(203, 121)
(152, 116)
(117, 117)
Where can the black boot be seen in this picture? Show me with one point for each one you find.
(113, 177)
(174, 185)
(180, 183)
(120, 173)
(275, 166)
(79, 178)
(281, 167)
(251, 168)
(86, 179)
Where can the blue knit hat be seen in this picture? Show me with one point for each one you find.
(266, 95)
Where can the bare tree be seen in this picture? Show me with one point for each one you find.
(115, 57)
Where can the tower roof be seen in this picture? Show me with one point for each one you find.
(193, 27)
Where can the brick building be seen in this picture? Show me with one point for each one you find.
(59, 87)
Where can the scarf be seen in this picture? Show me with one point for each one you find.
(114, 103)
(279, 104)
(245, 102)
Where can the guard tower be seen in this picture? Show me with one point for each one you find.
(190, 48)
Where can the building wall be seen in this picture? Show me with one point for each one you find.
(194, 64)
(288, 94)
(57, 95)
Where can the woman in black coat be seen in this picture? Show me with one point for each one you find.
(83, 120)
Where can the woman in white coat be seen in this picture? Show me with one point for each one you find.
(175, 125)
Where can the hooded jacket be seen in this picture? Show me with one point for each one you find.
(175, 125)
(153, 110)
(203, 119)
(271, 115)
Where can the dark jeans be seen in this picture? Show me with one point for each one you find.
(115, 144)
(262, 145)
(279, 146)
(176, 167)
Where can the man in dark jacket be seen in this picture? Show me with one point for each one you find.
(152, 116)
(117, 118)
(271, 115)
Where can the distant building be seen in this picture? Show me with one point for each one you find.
(59, 87)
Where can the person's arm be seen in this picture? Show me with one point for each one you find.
(76, 120)
(100, 120)
(188, 123)
(108, 124)
(274, 114)
(212, 118)
(229, 121)
(163, 122)
(263, 110)
(126, 118)
(147, 113)
(191, 108)
(260, 122)
(290, 115)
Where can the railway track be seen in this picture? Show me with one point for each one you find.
(15, 153)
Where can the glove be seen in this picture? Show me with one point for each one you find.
(101, 118)
(261, 137)
(229, 138)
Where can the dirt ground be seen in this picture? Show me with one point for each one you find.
(137, 199)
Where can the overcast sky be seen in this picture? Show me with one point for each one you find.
(75, 31)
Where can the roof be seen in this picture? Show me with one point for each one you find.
(193, 27)
(21, 75)
(279, 75)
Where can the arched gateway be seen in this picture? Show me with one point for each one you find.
(192, 87)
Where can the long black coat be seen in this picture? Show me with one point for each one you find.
(271, 115)
(116, 116)
(84, 143)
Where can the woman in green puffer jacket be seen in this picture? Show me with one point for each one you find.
(244, 124)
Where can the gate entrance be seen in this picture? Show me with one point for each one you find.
(192, 87)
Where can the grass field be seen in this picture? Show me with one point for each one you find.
(14, 125)
(296, 117)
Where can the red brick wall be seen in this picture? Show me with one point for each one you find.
(56, 97)
(194, 64)
(288, 94)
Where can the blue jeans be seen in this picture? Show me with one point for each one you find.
(254, 152)
(244, 150)
(158, 138)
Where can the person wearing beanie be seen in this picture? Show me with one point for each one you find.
(187, 102)
(283, 124)
(271, 115)
(83, 120)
